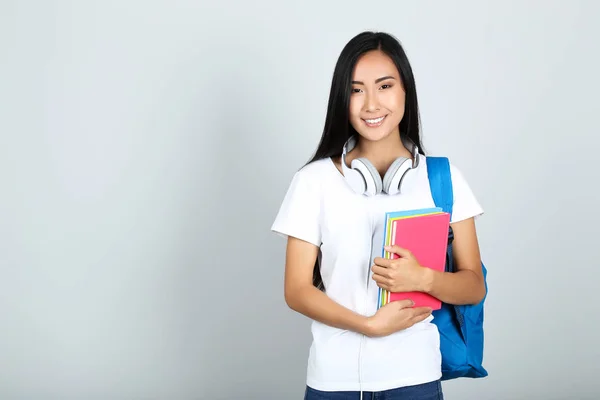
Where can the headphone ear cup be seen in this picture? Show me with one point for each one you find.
(393, 177)
(369, 172)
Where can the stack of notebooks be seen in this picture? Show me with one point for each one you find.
(423, 232)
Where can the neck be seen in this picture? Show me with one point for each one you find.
(381, 153)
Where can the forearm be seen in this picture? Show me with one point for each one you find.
(313, 303)
(458, 288)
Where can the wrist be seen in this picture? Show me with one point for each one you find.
(368, 327)
(427, 280)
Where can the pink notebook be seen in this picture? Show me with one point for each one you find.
(426, 236)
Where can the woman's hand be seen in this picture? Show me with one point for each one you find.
(403, 274)
(396, 316)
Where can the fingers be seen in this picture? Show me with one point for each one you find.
(382, 282)
(405, 303)
(420, 318)
(382, 262)
(381, 271)
(420, 314)
(421, 310)
(402, 252)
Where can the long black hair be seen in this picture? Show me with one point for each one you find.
(337, 128)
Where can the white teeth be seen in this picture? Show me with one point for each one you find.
(374, 121)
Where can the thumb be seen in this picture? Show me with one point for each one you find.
(402, 252)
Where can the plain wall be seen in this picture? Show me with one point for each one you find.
(145, 148)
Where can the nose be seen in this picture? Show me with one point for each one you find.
(371, 103)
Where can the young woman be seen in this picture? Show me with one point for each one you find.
(333, 225)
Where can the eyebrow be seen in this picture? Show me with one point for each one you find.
(383, 78)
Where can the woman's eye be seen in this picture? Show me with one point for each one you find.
(386, 86)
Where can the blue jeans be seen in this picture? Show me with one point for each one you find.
(425, 391)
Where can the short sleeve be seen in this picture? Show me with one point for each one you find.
(466, 204)
(299, 213)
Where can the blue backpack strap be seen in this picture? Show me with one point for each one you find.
(440, 182)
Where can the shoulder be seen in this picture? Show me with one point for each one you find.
(317, 168)
(459, 180)
(310, 180)
(466, 203)
(315, 174)
(442, 165)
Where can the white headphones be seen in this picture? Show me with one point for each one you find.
(363, 177)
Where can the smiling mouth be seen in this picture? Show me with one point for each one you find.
(374, 122)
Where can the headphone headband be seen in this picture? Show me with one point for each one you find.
(409, 144)
(364, 178)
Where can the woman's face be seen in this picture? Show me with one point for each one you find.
(377, 97)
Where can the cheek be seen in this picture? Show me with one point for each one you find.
(394, 100)
(397, 100)
(354, 108)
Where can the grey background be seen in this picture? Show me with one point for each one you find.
(146, 146)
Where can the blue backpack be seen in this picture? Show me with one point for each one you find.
(460, 327)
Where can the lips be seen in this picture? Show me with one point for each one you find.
(374, 122)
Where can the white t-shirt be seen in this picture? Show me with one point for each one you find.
(321, 208)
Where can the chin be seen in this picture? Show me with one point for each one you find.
(375, 134)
